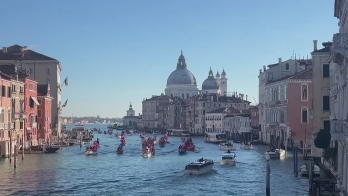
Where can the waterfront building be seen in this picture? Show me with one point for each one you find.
(5, 116)
(41, 68)
(321, 92)
(273, 98)
(339, 97)
(30, 110)
(44, 123)
(131, 120)
(254, 122)
(176, 118)
(154, 113)
(181, 82)
(200, 104)
(229, 120)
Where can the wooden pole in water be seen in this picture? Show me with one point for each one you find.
(23, 146)
(15, 157)
(268, 178)
(10, 146)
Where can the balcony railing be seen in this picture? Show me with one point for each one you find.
(33, 125)
(337, 130)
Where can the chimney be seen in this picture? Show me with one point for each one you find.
(264, 68)
(260, 71)
(4, 49)
(279, 60)
(246, 97)
(315, 43)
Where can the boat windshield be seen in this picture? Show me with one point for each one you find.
(193, 166)
(227, 158)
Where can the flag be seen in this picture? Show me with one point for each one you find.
(65, 82)
(66, 102)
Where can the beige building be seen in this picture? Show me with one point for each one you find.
(321, 91)
(41, 68)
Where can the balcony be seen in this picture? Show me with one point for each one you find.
(16, 116)
(33, 125)
(339, 48)
(22, 116)
(338, 128)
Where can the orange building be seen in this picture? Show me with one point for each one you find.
(44, 98)
(5, 114)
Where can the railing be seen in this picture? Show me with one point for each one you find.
(16, 116)
(33, 125)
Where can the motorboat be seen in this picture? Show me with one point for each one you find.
(275, 153)
(201, 166)
(51, 149)
(228, 158)
(227, 146)
(247, 146)
(304, 170)
(118, 136)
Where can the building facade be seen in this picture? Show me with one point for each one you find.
(339, 96)
(44, 123)
(5, 117)
(321, 92)
(131, 120)
(41, 68)
(30, 108)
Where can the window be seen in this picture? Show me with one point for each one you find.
(326, 103)
(327, 124)
(31, 70)
(304, 115)
(304, 93)
(31, 87)
(9, 91)
(270, 76)
(3, 91)
(48, 81)
(287, 66)
(326, 71)
(39, 113)
(48, 70)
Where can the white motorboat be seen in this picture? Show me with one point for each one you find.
(228, 158)
(246, 146)
(201, 166)
(276, 153)
(90, 152)
(227, 146)
(304, 170)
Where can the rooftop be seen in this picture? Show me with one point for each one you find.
(17, 52)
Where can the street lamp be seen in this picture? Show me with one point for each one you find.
(268, 175)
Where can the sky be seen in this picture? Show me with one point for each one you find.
(116, 52)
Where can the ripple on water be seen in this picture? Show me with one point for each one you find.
(71, 172)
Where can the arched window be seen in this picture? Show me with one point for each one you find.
(304, 93)
(304, 115)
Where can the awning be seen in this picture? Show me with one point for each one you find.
(35, 100)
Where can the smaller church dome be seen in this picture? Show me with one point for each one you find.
(217, 74)
(223, 72)
(210, 83)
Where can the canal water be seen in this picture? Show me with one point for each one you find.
(71, 172)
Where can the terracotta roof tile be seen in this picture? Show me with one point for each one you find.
(303, 75)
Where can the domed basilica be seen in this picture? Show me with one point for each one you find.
(182, 83)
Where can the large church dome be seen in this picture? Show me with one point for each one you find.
(181, 75)
(210, 83)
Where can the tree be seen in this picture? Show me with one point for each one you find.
(323, 139)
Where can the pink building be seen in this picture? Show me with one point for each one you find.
(254, 121)
(299, 107)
